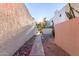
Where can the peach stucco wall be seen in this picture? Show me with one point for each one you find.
(16, 27)
(67, 36)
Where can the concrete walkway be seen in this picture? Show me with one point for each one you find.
(37, 49)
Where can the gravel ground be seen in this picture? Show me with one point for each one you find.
(26, 48)
(51, 49)
(45, 37)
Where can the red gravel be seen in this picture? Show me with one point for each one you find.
(26, 48)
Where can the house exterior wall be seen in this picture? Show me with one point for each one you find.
(67, 36)
(16, 26)
(59, 19)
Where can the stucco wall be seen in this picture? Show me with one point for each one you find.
(67, 36)
(15, 26)
(59, 19)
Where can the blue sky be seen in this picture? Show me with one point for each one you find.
(41, 10)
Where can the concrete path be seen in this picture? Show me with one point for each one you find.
(37, 49)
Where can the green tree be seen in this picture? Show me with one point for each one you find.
(42, 25)
(45, 22)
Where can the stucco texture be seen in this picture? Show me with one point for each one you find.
(67, 36)
(15, 21)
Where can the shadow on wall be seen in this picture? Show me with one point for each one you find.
(53, 33)
(16, 40)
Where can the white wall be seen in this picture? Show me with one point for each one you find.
(57, 19)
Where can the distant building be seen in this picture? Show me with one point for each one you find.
(60, 15)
